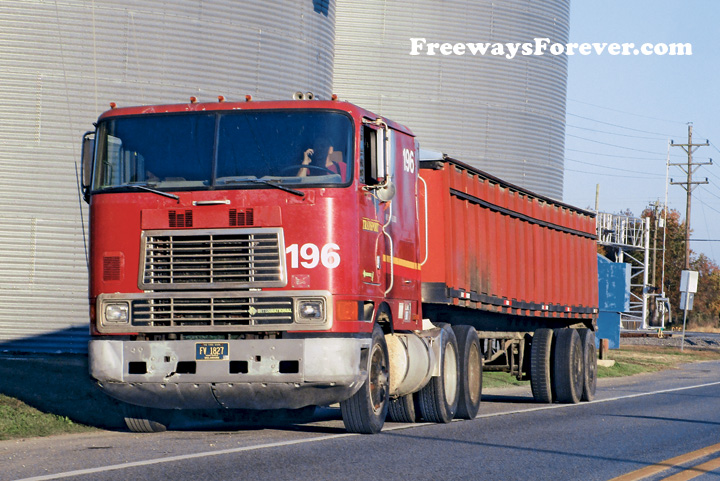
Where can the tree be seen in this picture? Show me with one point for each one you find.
(706, 303)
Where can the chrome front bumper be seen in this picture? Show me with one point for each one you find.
(255, 374)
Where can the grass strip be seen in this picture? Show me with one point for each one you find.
(18, 420)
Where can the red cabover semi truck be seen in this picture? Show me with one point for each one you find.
(290, 254)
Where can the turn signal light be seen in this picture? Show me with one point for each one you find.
(347, 310)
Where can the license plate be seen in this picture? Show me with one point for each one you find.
(211, 351)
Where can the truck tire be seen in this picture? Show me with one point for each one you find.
(438, 400)
(568, 363)
(540, 357)
(365, 411)
(587, 340)
(140, 419)
(402, 409)
(471, 371)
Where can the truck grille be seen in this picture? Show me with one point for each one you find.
(194, 312)
(217, 259)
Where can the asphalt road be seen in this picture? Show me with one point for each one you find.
(635, 423)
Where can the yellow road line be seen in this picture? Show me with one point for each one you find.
(695, 471)
(669, 463)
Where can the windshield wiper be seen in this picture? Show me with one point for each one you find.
(144, 187)
(266, 182)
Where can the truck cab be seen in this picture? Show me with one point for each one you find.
(243, 253)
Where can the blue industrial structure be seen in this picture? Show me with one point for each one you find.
(614, 298)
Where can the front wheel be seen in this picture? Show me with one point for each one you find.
(365, 411)
(140, 419)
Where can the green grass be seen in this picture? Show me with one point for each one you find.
(629, 361)
(633, 360)
(18, 420)
(501, 379)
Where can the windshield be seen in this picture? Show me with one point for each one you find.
(253, 148)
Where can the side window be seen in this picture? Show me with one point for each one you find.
(369, 153)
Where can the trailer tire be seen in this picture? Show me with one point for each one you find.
(140, 419)
(471, 372)
(587, 340)
(365, 411)
(402, 409)
(540, 365)
(568, 366)
(438, 400)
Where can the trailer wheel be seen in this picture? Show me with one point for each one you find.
(366, 410)
(540, 357)
(471, 371)
(587, 340)
(402, 409)
(140, 419)
(438, 400)
(568, 366)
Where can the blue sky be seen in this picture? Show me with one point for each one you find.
(623, 110)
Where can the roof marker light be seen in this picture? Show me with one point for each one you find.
(193, 100)
(248, 98)
(221, 98)
(334, 97)
(113, 105)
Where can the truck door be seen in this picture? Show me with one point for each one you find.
(390, 159)
(371, 239)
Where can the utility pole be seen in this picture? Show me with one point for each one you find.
(689, 184)
(655, 205)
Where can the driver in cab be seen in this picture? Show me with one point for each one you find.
(323, 159)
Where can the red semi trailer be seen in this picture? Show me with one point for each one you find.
(284, 255)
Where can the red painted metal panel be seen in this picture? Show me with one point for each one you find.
(507, 243)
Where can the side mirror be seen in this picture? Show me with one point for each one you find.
(86, 162)
(386, 191)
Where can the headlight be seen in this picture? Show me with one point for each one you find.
(310, 310)
(117, 313)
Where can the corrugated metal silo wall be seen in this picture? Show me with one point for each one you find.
(504, 116)
(62, 63)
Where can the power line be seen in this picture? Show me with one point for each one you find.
(614, 133)
(614, 145)
(615, 168)
(618, 125)
(615, 156)
(607, 175)
(634, 114)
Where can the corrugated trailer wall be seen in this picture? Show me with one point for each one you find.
(498, 248)
(62, 63)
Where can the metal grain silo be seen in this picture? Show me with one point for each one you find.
(62, 63)
(505, 116)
